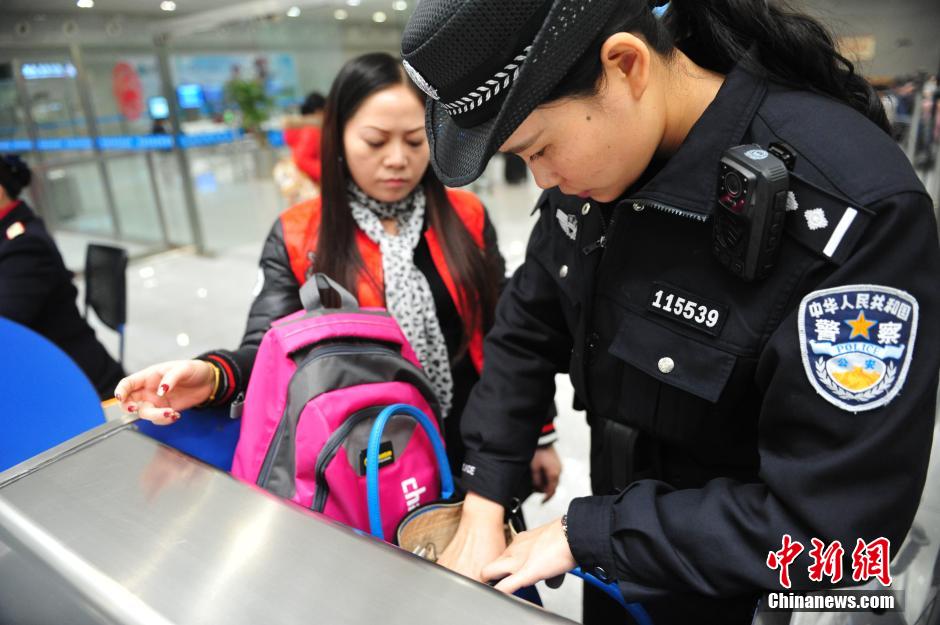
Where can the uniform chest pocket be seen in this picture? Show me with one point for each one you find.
(691, 376)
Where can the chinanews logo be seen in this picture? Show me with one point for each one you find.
(869, 561)
(857, 342)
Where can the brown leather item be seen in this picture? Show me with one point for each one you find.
(427, 531)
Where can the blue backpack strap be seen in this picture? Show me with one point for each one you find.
(372, 460)
(635, 610)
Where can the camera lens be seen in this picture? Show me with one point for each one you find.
(733, 184)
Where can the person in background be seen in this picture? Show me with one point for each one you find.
(303, 136)
(36, 289)
(387, 230)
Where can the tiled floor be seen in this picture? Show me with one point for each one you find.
(181, 304)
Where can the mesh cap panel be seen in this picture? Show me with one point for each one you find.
(473, 31)
(437, 41)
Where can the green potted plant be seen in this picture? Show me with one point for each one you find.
(253, 103)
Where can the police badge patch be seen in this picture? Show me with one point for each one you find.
(857, 342)
(568, 223)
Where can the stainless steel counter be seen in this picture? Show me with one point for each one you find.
(116, 528)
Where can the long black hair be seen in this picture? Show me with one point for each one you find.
(337, 254)
(765, 37)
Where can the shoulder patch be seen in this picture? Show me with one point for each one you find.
(15, 230)
(857, 342)
(568, 223)
(826, 224)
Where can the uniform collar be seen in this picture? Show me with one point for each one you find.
(6, 209)
(688, 181)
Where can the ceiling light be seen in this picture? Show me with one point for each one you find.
(353, 3)
(182, 339)
(85, 4)
(168, 5)
(340, 14)
(400, 5)
(379, 17)
(293, 12)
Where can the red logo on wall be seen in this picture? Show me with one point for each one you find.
(128, 96)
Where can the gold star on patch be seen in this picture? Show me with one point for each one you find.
(861, 326)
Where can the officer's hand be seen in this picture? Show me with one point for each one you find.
(479, 539)
(158, 393)
(542, 553)
(546, 470)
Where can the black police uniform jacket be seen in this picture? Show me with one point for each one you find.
(732, 445)
(36, 291)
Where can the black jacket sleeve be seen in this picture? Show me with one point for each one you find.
(528, 345)
(279, 295)
(28, 273)
(496, 268)
(825, 472)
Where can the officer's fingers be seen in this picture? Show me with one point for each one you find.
(159, 415)
(506, 564)
(521, 579)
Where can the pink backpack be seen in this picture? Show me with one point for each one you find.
(320, 381)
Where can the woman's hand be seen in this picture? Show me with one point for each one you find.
(540, 554)
(546, 470)
(479, 539)
(160, 392)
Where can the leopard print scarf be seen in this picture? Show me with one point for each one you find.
(407, 292)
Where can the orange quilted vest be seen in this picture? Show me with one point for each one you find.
(301, 225)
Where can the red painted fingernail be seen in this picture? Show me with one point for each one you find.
(164, 387)
(176, 417)
(132, 408)
(167, 414)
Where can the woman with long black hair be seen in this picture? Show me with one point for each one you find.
(737, 267)
(387, 230)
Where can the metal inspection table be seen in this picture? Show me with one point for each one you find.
(112, 527)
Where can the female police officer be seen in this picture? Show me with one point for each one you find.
(757, 349)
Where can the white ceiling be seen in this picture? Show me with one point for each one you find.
(183, 7)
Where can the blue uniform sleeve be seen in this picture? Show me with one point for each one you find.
(826, 471)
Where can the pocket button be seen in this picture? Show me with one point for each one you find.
(666, 364)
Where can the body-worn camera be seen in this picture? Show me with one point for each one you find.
(752, 205)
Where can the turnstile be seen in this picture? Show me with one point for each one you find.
(113, 527)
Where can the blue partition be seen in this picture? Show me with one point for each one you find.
(45, 398)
